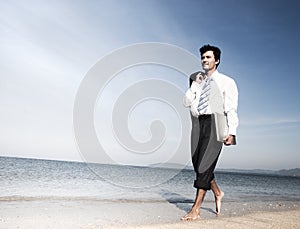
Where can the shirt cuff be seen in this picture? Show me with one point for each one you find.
(232, 131)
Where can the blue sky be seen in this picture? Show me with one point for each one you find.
(47, 47)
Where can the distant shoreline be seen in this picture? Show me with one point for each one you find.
(285, 172)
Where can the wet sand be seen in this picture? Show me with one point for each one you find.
(90, 214)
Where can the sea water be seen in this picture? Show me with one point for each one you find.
(32, 179)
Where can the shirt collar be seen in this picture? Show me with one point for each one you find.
(214, 75)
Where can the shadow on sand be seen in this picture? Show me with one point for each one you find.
(180, 202)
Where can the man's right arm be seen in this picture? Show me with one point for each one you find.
(190, 94)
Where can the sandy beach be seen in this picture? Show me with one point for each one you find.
(287, 219)
(55, 213)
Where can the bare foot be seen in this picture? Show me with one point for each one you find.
(192, 215)
(218, 200)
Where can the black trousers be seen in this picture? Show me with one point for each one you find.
(205, 150)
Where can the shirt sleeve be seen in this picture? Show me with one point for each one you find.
(190, 94)
(230, 106)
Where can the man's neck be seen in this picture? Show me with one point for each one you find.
(210, 72)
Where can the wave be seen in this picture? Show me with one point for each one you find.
(88, 198)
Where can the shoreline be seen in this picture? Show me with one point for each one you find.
(93, 214)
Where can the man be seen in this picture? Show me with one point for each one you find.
(211, 97)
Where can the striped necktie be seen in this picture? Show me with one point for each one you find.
(203, 101)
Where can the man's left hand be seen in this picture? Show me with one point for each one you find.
(229, 140)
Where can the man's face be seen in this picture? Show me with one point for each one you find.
(208, 61)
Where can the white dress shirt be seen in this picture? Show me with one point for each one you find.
(223, 98)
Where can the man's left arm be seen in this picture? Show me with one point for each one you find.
(230, 106)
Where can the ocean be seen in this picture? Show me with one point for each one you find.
(33, 179)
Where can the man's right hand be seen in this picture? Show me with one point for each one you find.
(199, 78)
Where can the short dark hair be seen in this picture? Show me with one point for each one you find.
(216, 51)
